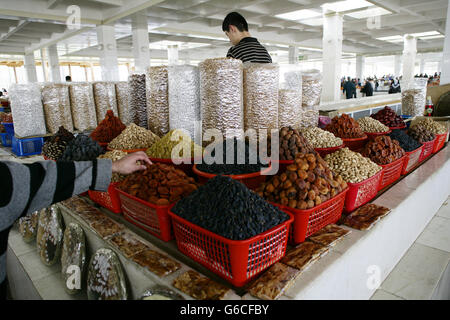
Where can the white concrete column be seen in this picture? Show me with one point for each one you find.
(397, 65)
(409, 57)
(53, 61)
(44, 65)
(293, 55)
(141, 45)
(108, 53)
(30, 67)
(172, 54)
(445, 76)
(422, 66)
(332, 55)
(439, 66)
(360, 63)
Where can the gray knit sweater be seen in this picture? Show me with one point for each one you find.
(25, 188)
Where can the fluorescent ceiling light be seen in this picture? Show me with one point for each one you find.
(425, 34)
(440, 36)
(347, 5)
(393, 39)
(299, 15)
(371, 12)
(313, 22)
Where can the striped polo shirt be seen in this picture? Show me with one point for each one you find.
(250, 50)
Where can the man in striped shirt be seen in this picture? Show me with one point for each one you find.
(245, 47)
(26, 188)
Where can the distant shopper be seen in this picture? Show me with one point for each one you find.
(395, 87)
(245, 47)
(349, 88)
(68, 79)
(368, 88)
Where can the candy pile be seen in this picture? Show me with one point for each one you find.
(133, 137)
(307, 183)
(371, 125)
(226, 207)
(406, 142)
(108, 129)
(179, 139)
(382, 150)
(345, 127)
(389, 118)
(319, 138)
(160, 184)
(82, 148)
(421, 133)
(55, 146)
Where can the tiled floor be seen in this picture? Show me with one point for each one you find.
(417, 275)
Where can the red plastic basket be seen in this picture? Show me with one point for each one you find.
(391, 172)
(427, 150)
(150, 217)
(397, 128)
(308, 222)
(360, 193)
(324, 151)
(439, 142)
(355, 144)
(373, 135)
(185, 167)
(412, 159)
(236, 261)
(109, 200)
(251, 180)
(127, 151)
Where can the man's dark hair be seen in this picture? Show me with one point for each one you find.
(235, 19)
(68, 78)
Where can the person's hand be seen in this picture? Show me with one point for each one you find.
(130, 164)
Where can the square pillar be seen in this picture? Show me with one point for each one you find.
(141, 45)
(53, 61)
(172, 54)
(397, 65)
(293, 55)
(108, 53)
(409, 57)
(360, 63)
(30, 67)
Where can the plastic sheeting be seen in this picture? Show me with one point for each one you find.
(56, 101)
(414, 94)
(184, 100)
(82, 106)
(138, 100)
(27, 110)
(261, 83)
(105, 99)
(289, 108)
(311, 88)
(221, 96)
(158, 100)
(123, 96)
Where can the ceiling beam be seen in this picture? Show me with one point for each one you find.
(117, 3)
(51, 4)
(12, 30)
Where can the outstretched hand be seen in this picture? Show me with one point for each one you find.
(130, 164)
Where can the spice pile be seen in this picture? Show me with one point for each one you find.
(389, 118)
(82, 148)
(228, 208)
(133, 137)
(406, 142)
(108, 128)
(432, 126)
(160, 184)
(382, 150)
(252, 162)
(115, 156)
(421, 133)
(292, 142)
(55, 146)
(319, 138)
(162, 149)
(345, 127)
(371, 125)
(352, 166)
(307, 183)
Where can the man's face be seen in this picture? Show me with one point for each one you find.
(233, 35)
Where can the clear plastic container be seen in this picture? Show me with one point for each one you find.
(414, 95)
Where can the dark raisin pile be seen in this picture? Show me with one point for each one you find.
(226, 207)
(82, 148)
(234, 168)
(406, 142)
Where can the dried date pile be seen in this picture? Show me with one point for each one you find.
(432, 126)
(421, 133)
(159, 184)
(383, 150)
(345, 127)
(108, 129)
(55, 146)
(406, 142)
(307, 183)
(228, 208)
(82, 148)
(389, 118)
(292, 142)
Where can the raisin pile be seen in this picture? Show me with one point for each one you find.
(82, 148)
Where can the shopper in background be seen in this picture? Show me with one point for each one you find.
(368, 88)
(349, 88)
(26, 188)
(68, 79)
(245, 47)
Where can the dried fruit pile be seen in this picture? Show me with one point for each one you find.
(383, 150)
(162, 149)
(389, 118)
(233, 167)
(226, 207)
(421, 133)
(108, 128)
(292, 142)
(115, 156)
(133, 137)
(372, 125)
(406, 142)
(432, 126)
(319, 138)
(160, 184)
(55, 146)
(82, 148)
(307, 183)
(6, 117)
(345, 127)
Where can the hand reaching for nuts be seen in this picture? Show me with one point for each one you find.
(131, 163)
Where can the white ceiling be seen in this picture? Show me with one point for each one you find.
(28, 25)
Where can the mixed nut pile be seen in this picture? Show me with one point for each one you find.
(133, 137)
(115, 156)
(319, 138)
(345, 127)
(371, 125)
(383, 150)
